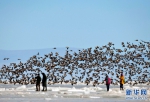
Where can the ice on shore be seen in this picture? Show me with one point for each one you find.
(2, 89)
(23, 87)
(56, 92)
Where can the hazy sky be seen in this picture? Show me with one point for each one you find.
(37, 24)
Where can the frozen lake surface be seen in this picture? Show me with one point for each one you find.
(66, 93)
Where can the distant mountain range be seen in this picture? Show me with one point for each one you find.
(24, 55)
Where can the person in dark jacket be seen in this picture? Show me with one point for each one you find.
(108, 81)
(38, 81)
(44, 82)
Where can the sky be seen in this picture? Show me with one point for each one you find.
(38, 24)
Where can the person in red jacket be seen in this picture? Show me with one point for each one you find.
(108, 81)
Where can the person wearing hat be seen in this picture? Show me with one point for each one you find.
(122, 81)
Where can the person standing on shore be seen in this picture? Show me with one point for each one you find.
(44, 82)
(108, 81)
(122, 81)
(38, 81)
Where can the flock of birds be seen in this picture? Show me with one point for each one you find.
(85, 66)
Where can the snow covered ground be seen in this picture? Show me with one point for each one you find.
(66, 93)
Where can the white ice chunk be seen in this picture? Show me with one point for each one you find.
(48, 99)
(87, 92)
(55, 89)
(136, 87)
(55, 95)
(94, 97)
(110, 90)
(99, 88)
(2, 89)
(23, 87)
(76, 90)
